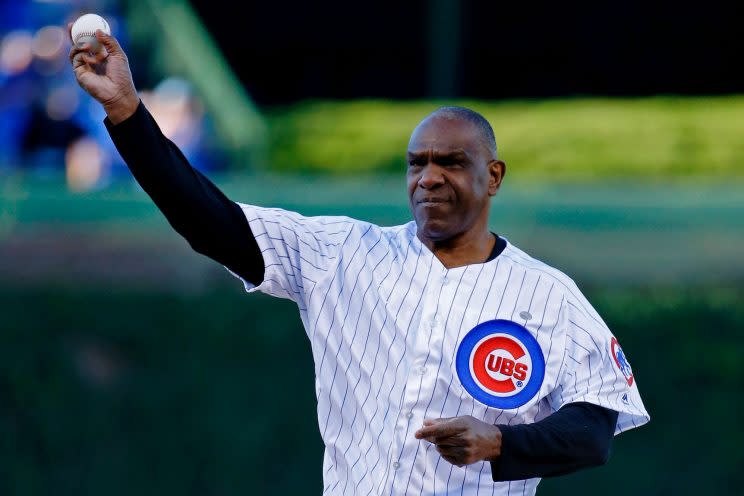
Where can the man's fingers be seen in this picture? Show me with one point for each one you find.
(109, 42)
(427, 432)
(453, 440)
(456, 451)
(90, 59)
(440, 429)
(83, 55)
(100, 55)
(454, 460)
(77, 58)
(74, 50)
(454, 455)
(83, 58)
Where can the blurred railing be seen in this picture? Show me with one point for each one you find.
(599, 233)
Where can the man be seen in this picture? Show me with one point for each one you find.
(446, 359)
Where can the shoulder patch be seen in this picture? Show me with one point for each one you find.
(500, 364)
(621, 362)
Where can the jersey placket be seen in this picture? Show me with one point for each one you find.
(425, 355)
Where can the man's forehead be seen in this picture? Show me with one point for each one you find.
(444, 135)
(438, 149)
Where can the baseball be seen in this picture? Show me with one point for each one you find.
(84, 30)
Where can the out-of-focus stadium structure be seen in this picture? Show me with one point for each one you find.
(49, 125)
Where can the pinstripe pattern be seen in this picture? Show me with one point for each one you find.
(385, 318)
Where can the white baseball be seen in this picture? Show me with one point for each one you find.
(84, 30)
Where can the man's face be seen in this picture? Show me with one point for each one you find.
(451, 176)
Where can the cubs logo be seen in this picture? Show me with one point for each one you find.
(500, 364)
(621, 362)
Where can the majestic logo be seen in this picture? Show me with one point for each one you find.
(500, 364)
(621, 362)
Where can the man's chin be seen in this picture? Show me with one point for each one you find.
(435, 229)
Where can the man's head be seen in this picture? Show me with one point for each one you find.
(453, 171)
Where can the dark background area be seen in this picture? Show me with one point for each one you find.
(287, 52)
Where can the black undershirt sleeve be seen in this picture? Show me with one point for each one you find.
(213, 225)
(577, 436)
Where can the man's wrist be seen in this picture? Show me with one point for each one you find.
(495, 444)
(122, 109)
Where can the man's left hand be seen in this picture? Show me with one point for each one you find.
(462, 440)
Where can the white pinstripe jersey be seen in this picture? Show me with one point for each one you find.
(389, 324)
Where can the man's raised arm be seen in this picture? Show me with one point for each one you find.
(211, 223)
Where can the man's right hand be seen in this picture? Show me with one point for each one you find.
(105, 75)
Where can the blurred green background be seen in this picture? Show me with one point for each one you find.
(131, 365)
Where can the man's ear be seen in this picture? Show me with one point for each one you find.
(496, 171)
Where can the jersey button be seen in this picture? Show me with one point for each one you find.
(409, 415)
(422, 370)
(396, 465)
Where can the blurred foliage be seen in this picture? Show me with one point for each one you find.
(662, 137)
(124, 392)
(120, 393)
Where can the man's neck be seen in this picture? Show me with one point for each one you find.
(465, 249)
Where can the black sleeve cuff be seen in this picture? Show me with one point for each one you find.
(136, 119)
(498, 472)
(577, 436)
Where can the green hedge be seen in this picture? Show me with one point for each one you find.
(568, 139)
(120, 393)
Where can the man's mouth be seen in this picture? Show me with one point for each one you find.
(432, 201)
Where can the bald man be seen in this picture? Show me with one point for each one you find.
(446, 359)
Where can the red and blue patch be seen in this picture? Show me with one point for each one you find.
(500, 364)
(621, 362)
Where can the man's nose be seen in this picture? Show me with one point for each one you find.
(431, 176)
